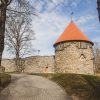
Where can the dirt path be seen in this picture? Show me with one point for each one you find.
(30, 87)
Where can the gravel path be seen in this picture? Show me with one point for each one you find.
(31, 87)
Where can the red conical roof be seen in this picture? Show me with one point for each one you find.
(72, 33)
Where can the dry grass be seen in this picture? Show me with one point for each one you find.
(86, 87)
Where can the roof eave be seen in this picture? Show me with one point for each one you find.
(73, 41)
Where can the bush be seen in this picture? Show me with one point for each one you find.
(5, 79)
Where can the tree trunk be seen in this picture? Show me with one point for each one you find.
(2, 29)
(17, 61)
(98, 3)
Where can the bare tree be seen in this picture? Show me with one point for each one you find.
(19, 36)
(97, 57)
(26, 9)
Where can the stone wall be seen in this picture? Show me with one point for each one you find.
(70, 57)
(9, 65)
(40, 64)
(74, 57)
(35, 64)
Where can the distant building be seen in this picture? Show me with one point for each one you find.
(73, 52)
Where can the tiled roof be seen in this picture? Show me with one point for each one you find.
(72, 33)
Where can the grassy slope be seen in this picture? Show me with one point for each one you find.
(87, 87)
(84, 86)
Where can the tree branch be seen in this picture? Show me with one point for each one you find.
(21, 12)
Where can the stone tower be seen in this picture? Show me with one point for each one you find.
(73, 52)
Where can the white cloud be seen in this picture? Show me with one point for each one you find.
(48, 6)
(85, 19)
(47, 29)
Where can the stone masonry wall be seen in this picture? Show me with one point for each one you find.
(35, 64)
(74, 57)
(41, 64)
(9, 65)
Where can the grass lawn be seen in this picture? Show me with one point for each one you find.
(86, 87)
(5, 79)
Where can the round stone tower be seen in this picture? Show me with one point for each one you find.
(73, 52)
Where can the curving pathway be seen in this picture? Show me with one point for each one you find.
(31, 87)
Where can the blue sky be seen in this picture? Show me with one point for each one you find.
(53, 20)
